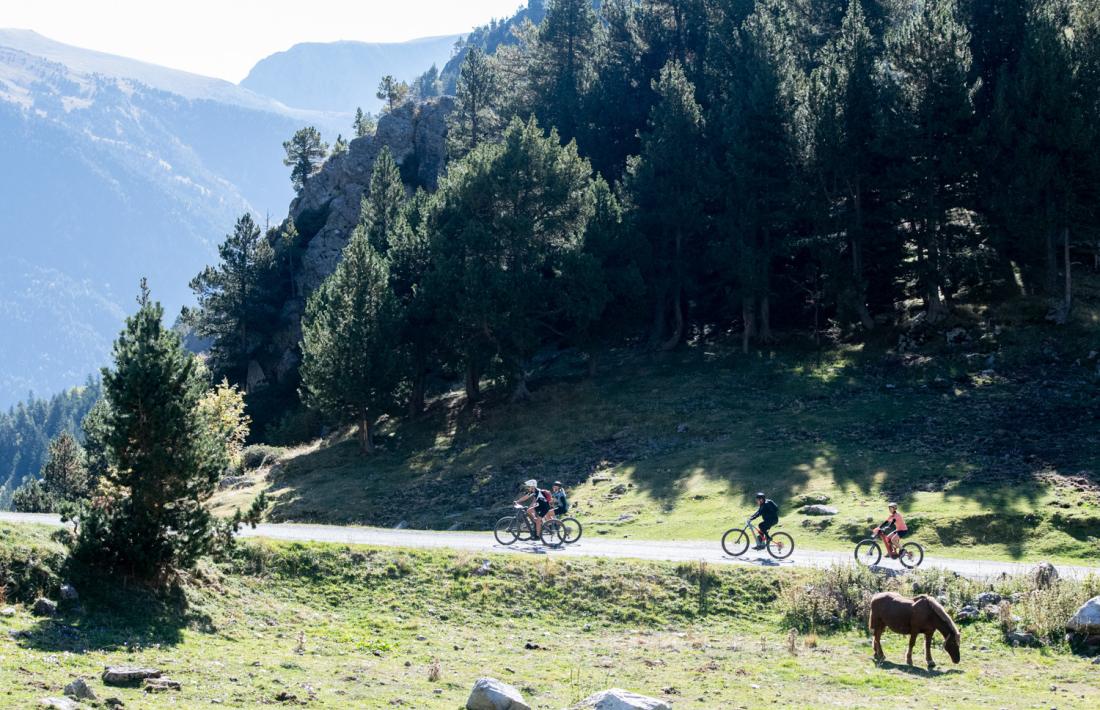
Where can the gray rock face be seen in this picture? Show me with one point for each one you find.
(618, 699)
(80, 690)
(1087, 618)
(812, 499)
(416, 135)
(58, 704)
(817, 510)
(68, 593)
(161, 684)
(492, 694)
(987, 598)
(1044, 575)
(44, 607)
(128, 675)
(967, 613)
(1022, 638)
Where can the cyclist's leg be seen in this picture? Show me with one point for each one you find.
(762, 539)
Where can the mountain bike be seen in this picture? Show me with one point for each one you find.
(518, 526)
(869, 553)
(572, 529)
(736, 541)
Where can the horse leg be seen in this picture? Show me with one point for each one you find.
(879, 655)
(909, 654)
(928, 649)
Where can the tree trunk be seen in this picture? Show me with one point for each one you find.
(521, 393)
(416, 396)
(677, 320)
(657, 327)
(748, 314)
(593, 364)
(766, 319)
(1052, 266)
(1067, 298)
(473, 382)
(366, 434)
(860, 294)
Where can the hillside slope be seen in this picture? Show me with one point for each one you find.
(992, 447)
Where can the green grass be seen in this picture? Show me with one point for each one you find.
(1002, 465)
(340, 626)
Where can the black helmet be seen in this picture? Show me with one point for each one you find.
(760, 494)
(558, 484)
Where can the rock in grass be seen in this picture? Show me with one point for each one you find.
(1087, 618)
(812, 499)
(44, 607)
(128, 675)
(58, 704)
(967, 613)
(1044, 575)
(68, 593)
(1022, 638)
(80, 690)
(619, 699)
(492, 694)
(987, 598)
(7, 611)
(161, 684)
(817, 510)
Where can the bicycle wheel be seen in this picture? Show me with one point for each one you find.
(573, 530)
(780, 546)
(505, 530)
(911, 555)
(868, 553)
(553, 533)
(735, 542)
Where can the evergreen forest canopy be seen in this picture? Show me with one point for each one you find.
(659, 171)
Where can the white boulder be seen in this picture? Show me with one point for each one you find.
(1087, 618)
(619, 699)
(492, 694)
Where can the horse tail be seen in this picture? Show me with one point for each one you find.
(942, 613)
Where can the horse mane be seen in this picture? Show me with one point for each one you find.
(941, 612)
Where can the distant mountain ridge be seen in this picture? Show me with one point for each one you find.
(106, 179)
(340, 76)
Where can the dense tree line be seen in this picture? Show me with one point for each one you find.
(660, 169)
(27, 429)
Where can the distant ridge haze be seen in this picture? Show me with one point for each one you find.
(341, 76)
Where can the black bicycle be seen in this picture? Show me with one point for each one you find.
(572, 529)
(736, 541)
(518, 526)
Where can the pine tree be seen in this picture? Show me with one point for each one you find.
(163, 462)
(475, 117)
(930, 94)
(844, 101)
(305, 152)
(363, 124)
(350, 365)
(392, 91)
(510, 217)
(236, 299)
(340, 146)
(428, 84)
(383, 202)
(666, 184)
(563, 62)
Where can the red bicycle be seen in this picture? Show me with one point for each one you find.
(868, 552)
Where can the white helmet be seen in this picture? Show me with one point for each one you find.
(532, 483)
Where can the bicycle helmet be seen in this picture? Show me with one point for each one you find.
(760, 494)
(892, 505)
(558, 484)
(532, 483)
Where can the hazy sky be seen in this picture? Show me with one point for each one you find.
(224, 38)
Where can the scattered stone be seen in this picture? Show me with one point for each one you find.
(79, 690)
(16, 634)
(492, 694)
(1044, 575)
(1087, 618)
(817, 524)
(967, 613)
(618, 489)
(284, 697)
(128, 675)
(114, 703)
(681, 428)
(7, 611)
(58, 704)
(483, 569)
(68, 593)
(619, 699)
(161, 684)
(44, 607)
(812, 499)
(1022, 638)
(957, 336)
(532, 646)
(817, 510)
(987, 598)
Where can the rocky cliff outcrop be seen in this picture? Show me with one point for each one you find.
(327, 210)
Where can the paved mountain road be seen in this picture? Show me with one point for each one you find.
(593, 546)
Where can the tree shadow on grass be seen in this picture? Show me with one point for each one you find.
(118, 619)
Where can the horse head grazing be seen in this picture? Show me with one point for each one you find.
(951, 645)
(948, 629)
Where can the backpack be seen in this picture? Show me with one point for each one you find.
(545, 495)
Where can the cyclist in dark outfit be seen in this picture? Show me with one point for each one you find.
(539, 503)
(561, 502)
(767, 510)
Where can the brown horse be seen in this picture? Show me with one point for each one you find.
(922, 615)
